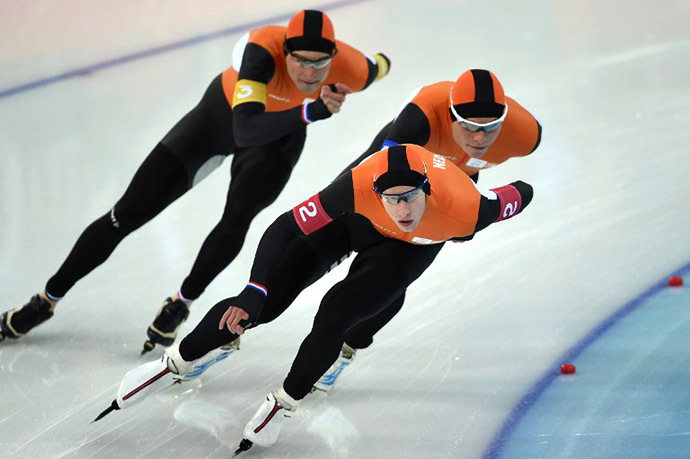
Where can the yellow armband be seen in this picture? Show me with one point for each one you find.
(249, 91)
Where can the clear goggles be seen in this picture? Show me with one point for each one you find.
(474, 127)
(308, 63)
(407, 196)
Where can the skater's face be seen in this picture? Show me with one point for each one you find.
(408, 211)
(308, 69)
(475, 143)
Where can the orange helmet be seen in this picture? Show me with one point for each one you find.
(400, 165)
(310, 30)
(477, 93)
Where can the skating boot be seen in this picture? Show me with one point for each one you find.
(264, 428)
(149, 378)
(327, 381)
(164, 328)
(18, 321)
(204, 363)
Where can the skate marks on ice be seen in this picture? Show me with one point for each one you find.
(58, 423)
(217, 421)
(325, 421)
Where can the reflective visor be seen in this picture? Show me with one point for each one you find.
(407, 196)
(474, 127)
(307, 63)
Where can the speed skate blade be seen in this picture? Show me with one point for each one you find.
(148, 347)
(244, 446)
(113, 406)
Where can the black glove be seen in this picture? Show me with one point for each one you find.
(384, 65)
(252, 301)
(526, 192)
(317, 110)
(509, 205)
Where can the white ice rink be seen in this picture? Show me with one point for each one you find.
(469, 368)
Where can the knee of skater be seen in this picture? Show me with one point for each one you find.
(121, 222)
(333, 323)
(234, 224)
(125, 222)
(240, 212)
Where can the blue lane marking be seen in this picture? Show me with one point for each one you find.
(529, 399)
(164, 49)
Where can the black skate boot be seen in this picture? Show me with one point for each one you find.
(18, 321)
(163, 330)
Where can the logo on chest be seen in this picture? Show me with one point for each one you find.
(383, 228)
(478, 163)
(285, 100)
(439, 162)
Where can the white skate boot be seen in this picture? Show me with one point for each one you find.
(327, 381)
(148, 379)
(274, 412)
(202, 364)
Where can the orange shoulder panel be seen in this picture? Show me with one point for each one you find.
(349, 66)
(270, 38)
(434, 101)
(518, 136)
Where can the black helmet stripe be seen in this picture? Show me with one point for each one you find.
(397, 158)
(313, 23)
(483, 86)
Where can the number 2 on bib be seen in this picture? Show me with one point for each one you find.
(310, 215)
(307, 210)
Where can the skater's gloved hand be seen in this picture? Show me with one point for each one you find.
(513, 198)
(232, 318)
(383, 63)
(243, 311)
(526, 192)
(330, 100)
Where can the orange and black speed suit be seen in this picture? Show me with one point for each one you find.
(299, 246)
(253, 111)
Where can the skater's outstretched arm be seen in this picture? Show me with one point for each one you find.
(307, 217)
